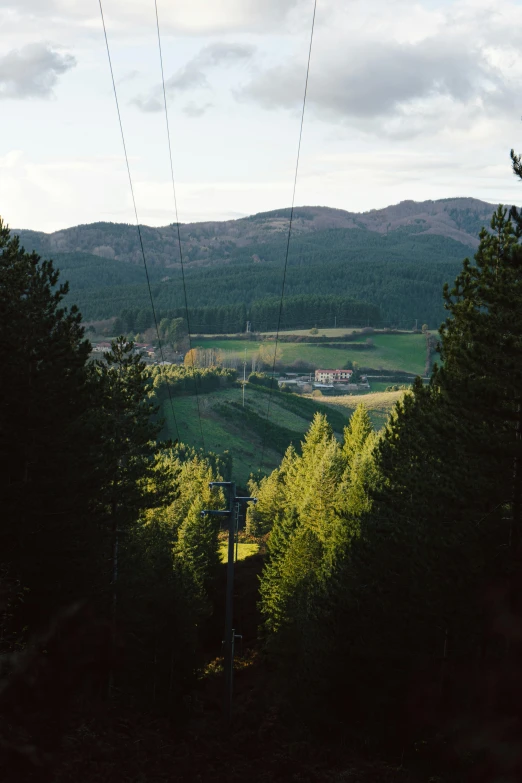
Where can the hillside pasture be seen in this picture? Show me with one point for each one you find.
(227, 426)
(390, 352)
(379, 404)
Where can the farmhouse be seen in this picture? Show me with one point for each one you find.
(142, 348)
(103, 347)
(332, 376)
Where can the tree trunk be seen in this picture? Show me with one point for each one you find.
(517, 485)
(114, 547)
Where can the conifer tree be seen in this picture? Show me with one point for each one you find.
(49, 471)
(307, 546)
(448, 468)
(195, 537)
(356, 433)
(481, 349)
(277, 551)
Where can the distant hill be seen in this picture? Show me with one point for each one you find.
(397, 259)
(211, 243)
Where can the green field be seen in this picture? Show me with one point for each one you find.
(400, 352)
(226, 426)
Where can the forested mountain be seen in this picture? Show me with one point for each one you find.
(396, 259)
(212, 242)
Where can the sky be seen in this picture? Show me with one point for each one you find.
(406, 100)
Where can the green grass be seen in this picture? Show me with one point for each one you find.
(218, 435)
(403, 351)
(243, 551)
(379, 404)
(400, 352)
(226, 427)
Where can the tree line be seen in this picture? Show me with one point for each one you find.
(189, 379)
(263, 314)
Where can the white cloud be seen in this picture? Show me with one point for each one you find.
(192, 75)
(32, 71)
(51, 195)
(148, 103)
(185, 17)
(389, 86)
(193, 110)
(409, 99)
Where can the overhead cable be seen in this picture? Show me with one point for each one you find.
(289, 235)
(177, 222)
(136, 215)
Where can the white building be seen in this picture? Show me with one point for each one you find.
(332, 376)
(103, 347)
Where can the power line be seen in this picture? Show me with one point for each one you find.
(289, 232)
(177, 222)
(136, 214)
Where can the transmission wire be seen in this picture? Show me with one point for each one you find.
(137, 220)
(177, 223)
(288, 238)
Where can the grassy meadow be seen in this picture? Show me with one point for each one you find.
(404, 352)
(379, 404)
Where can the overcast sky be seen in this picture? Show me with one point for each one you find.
(407, 100)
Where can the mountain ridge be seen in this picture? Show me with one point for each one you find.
(211, 242)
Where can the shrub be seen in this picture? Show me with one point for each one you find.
(260, 379)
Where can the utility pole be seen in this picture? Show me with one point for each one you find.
(237, 530)
(244, 378)
(229, 606)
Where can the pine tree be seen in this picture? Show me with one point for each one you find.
(481, 349)
(143, 319)
(277, 550)
(356, 433)
(48, 461)
(310, 536)
(124, 414)
(436, 532)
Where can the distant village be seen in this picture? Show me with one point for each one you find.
(327, 381)
(146, 350)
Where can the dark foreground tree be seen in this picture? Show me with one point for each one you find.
(106, 565)
(46, 445)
